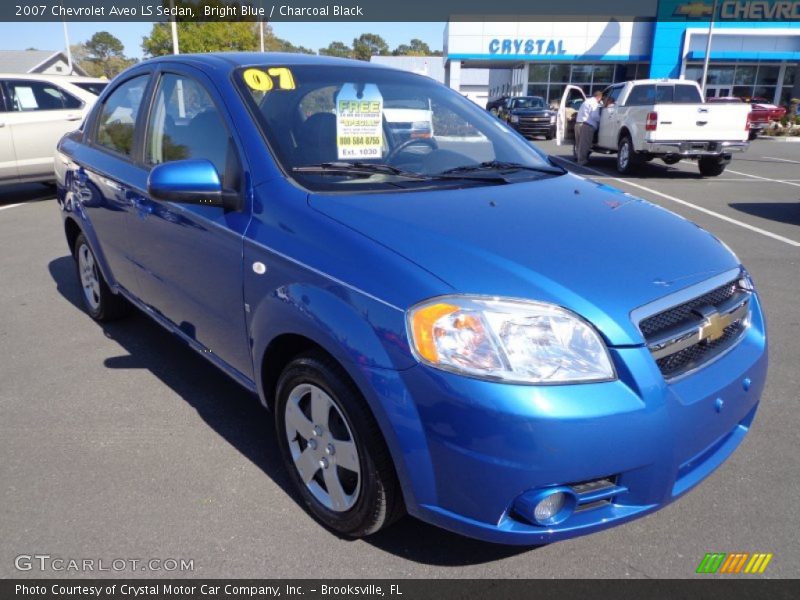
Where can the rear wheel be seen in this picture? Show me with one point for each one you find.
(627, 161)
(333, 449)
(101, 303)
(711, 166)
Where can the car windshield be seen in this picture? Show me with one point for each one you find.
(362, 128)
(534, 102)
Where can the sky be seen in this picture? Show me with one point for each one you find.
(50, 36)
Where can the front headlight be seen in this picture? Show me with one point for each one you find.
(508, 340)
(552, 119)
(515, 118)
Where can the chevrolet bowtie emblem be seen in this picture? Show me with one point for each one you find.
(694, 10)
(713, 327)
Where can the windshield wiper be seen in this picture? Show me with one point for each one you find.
(362, 168)
(498, 165)
(359, 168)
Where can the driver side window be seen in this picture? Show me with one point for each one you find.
(185, 123)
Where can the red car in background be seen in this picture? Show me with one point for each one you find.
(762, 112)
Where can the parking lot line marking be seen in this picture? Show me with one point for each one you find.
(787, 182)
(796, 162)
(10, 206)
(720, 216)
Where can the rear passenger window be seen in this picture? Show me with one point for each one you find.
(117, 123)
(39, 95)
(185, 123)
(642, 94)
(687, 94)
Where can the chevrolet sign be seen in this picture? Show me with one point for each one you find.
(760, 10)
(742, 10)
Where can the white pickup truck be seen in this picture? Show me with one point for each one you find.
(661, 118)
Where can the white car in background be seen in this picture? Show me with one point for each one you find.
(35, 112)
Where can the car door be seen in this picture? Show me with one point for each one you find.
(565, 118)
(191, 255)
(8, 158)
(610, 115)
(40, 113)
(104, 170)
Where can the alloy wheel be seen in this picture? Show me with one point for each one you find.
(323, 448)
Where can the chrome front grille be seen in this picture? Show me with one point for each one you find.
(651, 326)
(690, 334)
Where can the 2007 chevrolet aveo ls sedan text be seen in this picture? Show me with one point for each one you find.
(444, 323)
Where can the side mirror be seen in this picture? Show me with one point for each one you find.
(193, 181)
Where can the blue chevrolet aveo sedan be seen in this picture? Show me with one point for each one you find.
(442, 320)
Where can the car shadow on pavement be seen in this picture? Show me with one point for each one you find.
(608, 165)
(25, 192)
(237, 416)
(783, 212)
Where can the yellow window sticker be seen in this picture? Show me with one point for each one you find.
(257, 80)
(359, 122)
(263, 81)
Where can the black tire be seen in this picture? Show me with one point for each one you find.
(627, 160)
(753, 134)
(107, 306)
(378, 501)
(711, 166)
(550, 134)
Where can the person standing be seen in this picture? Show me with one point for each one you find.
(586, 123)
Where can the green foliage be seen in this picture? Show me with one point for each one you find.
(415, 47)
(339, 49)
(369, 44)
(101, 55)
(195, 37)
(102, 46)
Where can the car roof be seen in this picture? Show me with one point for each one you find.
(232, 60)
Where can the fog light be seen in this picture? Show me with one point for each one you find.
(546, 507)
(549, 507)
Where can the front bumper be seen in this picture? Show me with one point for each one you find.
(698, 148)
(478, 445)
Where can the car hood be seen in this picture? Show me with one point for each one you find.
(569, 241)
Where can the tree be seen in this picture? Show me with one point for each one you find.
(369, 44)
(415, 48)
(102, 46)
(216, 36)
(101, 55)
(339, 49)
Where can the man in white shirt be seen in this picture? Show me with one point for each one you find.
(586, 123)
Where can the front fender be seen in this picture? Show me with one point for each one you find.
(363, 336)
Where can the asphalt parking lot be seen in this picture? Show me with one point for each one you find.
(119, 442)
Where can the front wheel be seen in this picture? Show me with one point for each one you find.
(101, 303)
(333, 449)
(626, 156)
(711, 166)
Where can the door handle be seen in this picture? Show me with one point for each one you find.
(73, 117)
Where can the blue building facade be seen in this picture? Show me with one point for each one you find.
(755, 50)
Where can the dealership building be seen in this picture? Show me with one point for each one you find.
(755, 50)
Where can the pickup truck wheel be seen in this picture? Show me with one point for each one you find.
(101, 303)
(333, 448)
(753, 134)
(710, 166)
(627, 161)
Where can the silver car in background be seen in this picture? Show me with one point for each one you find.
(35, 112)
